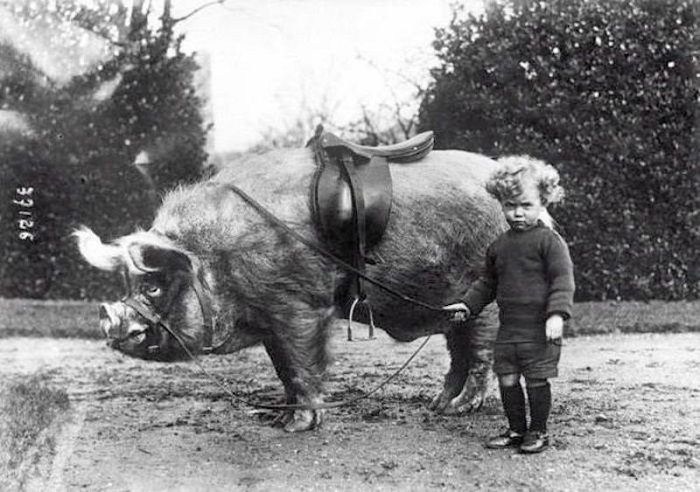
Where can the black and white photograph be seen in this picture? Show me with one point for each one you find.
(349, 245)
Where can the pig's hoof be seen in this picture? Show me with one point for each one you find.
(303, 420)
(465, 402)
(441, 401)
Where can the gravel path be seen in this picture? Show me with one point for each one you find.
(625, 417)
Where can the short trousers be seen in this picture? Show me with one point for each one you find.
(535, 360)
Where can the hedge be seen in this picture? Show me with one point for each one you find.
(606, 91)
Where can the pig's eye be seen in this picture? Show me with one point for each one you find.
(151, 290)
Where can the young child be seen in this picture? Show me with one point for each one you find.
(529, 273)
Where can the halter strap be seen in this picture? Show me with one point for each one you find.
(156, 319)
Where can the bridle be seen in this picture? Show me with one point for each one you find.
(158, 318)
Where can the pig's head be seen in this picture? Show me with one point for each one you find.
(167, 302)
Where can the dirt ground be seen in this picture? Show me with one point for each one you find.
(625, 417)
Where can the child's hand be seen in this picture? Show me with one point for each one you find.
(554, 328)
(461, 311)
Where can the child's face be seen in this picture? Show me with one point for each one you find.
(523, 211)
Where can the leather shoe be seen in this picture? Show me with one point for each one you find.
(534, 442)
(508, 439)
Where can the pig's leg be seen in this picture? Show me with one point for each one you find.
(272, 347)
(471, 352)
(298, 352)
(458, 348)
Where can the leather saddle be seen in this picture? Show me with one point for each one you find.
(352, 193)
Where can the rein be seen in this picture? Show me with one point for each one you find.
(320, 250)
(292, 406)
(158, 320)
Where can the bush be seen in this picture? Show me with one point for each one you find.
(605, 90)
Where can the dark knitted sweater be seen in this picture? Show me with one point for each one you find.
(530, 275)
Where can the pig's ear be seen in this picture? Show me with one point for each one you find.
(103, 256)
(152, 258)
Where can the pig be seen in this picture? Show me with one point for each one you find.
(220, 274)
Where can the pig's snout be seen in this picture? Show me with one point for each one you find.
(109, 321)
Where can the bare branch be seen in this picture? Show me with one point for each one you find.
(397, 73)
(118, 44)
(198, 9)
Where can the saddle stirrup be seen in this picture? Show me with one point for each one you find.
(355, 302)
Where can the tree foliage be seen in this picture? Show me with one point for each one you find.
(606, 91)
(84, 134)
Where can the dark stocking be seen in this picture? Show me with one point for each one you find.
(540, 395)
(514, 406)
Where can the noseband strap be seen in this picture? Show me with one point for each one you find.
(156, 320)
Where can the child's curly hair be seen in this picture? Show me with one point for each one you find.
(507, 181)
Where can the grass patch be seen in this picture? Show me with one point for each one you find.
(54, 319)
(603, 318)
(78, 319)
(28, 408)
